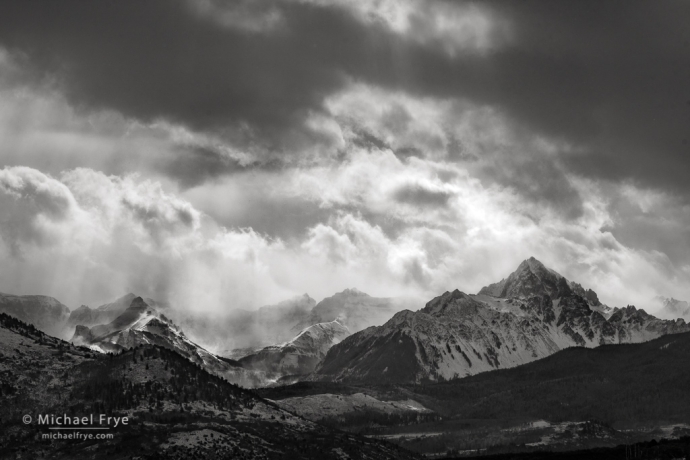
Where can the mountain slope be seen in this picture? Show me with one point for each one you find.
(45, 313)
(576, 398)
(176, 410)
(355, 310)
(301, 354)
(456, 334)
(622, 383)
(327, 323)
(142, 324)
(87, 316)
(276, 324)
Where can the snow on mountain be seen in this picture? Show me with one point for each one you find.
(176, 410)
(355, 310)
(45, 313)
(299, 355)
(87, 316)
(325, 325)
(531, 314)
(273, 325)
(143, 324)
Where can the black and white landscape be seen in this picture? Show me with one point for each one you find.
(344, 229)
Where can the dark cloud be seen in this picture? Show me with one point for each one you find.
(669, 238)
(283, 218)
(365, 139)
(418, 195)
(195, 165)
(162, 59)
(538, 180)
(610, 78)
(658, 224)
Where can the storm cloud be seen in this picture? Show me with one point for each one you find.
(610, 78)
(419, 144)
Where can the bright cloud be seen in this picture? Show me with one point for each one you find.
(456, 28)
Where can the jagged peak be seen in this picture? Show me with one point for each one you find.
(536, 267)
(532, 277)
(532, 262)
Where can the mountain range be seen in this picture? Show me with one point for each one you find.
(576, 398)
(142, 323)
(299, 355)
(175, 409)
(275, 324)
(86, 316)
(361, 362)
(288, 338)
(531, 314)
(323, 325)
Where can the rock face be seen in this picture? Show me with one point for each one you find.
(301, 354)
(143, 324)
(45, 313)
(531, 314)
(532, 278)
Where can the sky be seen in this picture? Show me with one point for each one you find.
(224, 155)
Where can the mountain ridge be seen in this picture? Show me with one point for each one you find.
(299, 355)
(143, 324)
(457, 334)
